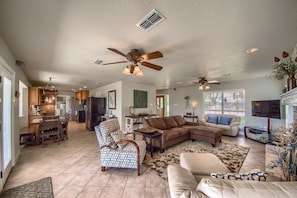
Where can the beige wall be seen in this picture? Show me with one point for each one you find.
(17, 122)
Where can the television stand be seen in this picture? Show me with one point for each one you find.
(257, 134)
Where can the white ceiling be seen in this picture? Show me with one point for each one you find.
(61, 39)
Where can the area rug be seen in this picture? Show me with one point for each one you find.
(42, 188)
(231, 155)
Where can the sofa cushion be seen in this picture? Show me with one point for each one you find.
(170, 122)
(175, 133)
(157, 123)
(212, 119)
(179, 120)
(225, 120)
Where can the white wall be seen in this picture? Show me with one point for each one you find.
(255, 89)
(124, 98)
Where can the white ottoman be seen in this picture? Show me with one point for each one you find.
(202, 163)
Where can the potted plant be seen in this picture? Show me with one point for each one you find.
(285, 68)
(285, 142)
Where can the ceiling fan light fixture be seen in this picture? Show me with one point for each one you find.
(200, 87)
(136, 69)
(126, 71)
(140, 73)
(207, 87)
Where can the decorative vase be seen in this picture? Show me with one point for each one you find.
(291, 82)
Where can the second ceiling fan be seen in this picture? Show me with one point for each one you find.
(134, 56)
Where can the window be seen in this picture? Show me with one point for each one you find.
(228, 102)
(23, 99)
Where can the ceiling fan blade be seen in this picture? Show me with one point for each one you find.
(117, 51)
(115, 62)
(150, 65)
(214, 82)
(152, 55)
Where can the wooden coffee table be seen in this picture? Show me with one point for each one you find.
(150, 133)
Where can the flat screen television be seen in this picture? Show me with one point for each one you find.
(266, 108)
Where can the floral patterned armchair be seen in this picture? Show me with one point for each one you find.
(116, 149)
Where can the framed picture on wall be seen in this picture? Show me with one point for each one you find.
(112, 99)
(140, 99)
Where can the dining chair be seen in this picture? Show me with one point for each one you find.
(50, 117)
(50, 130)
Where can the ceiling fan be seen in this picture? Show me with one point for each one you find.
(134, 56)
(203, 83)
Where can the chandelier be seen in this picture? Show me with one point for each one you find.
(133, 69)
(49, 89)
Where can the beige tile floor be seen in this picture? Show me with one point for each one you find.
(75, 168)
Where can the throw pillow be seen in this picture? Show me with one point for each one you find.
(225, 120)
(253, 175)
(212, 119)
(117, 136)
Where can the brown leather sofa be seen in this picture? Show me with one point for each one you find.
(175, 129)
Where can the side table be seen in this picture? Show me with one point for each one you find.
(151, 134)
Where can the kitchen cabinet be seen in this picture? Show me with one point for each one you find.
(78, 95)
(34, 93)
(82, 95)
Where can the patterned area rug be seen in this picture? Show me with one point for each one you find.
(231, 155)
(42, 188)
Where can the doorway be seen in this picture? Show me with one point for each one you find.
(5, 123)
(160, 101)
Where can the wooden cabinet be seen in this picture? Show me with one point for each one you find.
(82, 95)
(34, 98)
(78, 95)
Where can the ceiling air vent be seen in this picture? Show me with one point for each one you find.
(150, 20)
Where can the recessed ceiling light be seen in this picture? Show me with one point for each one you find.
(179, 82)
(252, 50)
(85, 87)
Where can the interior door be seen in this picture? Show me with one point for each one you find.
(5, 124)
(160, 105)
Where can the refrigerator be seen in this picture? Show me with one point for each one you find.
(95, 109)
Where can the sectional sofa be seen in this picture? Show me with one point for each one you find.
(175, 129)
(229, 124)
(183, 184)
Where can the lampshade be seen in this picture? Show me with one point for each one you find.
(126, 71)
(136, 70)
(140, 73)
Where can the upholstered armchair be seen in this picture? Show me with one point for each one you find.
(116, 149)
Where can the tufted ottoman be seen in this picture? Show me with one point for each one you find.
(207, 134)
(202, 164)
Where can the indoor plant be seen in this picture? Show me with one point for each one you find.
(286, 141)
(285, 68)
